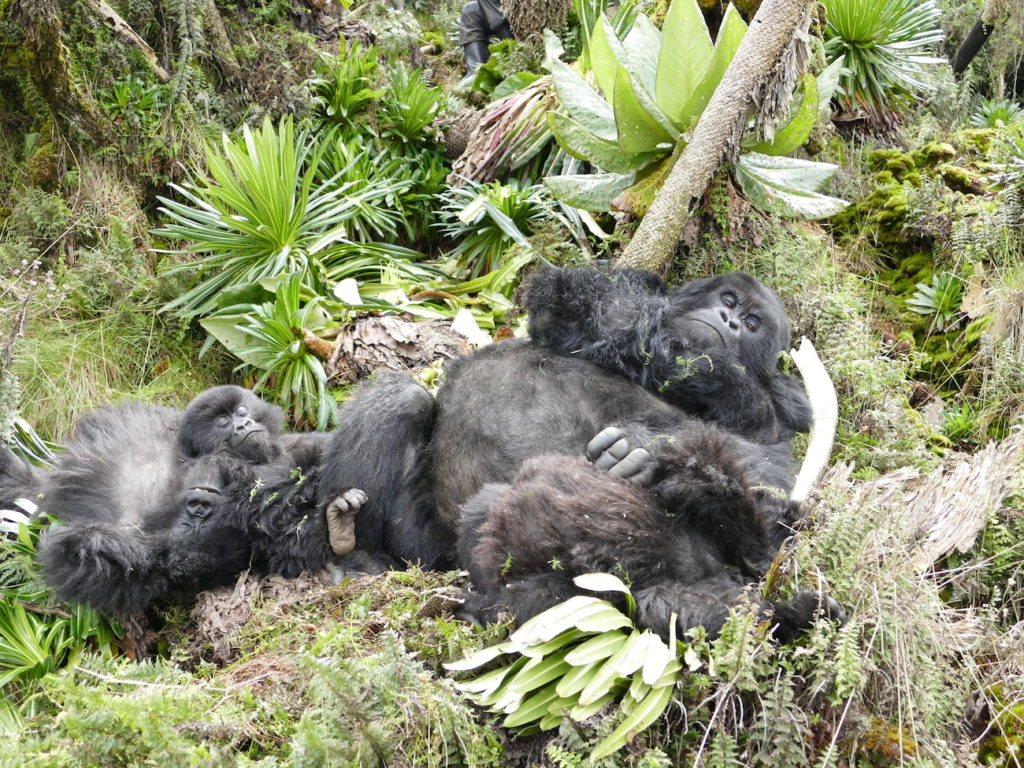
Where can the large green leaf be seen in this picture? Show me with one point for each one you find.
(684, 59)
(226, 329)
(589, 191)
(638, 129)
(583, 144)
(730, 34)
(639, 197)
(606, 56)
(640, 52)
(828, 82)
(792, 134)
(582, 102)
(787, 186)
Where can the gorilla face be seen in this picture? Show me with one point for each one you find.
(209, 484)
(233, 421)
(733, 312)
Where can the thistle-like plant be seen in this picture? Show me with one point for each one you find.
(258, 212)
(941, 299)
(996, 113)
(288, 370)
(409, 107)
(487, 219)
(344, 85)
(572, 660)
(886, 48)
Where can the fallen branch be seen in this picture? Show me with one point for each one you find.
(111, 18)
(825, 409)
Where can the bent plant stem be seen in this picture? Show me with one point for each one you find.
(771, 31)
(825, 408)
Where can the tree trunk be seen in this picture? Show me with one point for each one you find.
(112, 19)
(993, 12)
(72, 106)
(771, 31)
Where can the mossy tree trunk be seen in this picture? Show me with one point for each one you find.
(50, 69)
(771, 31)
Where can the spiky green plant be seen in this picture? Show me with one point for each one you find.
(344, 85)
(941, 299)
(487, 219)
(288, 371)
(259, 212)
(995, 113)
(886, 48)
(409, 107)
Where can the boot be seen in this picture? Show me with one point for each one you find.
(476, 53)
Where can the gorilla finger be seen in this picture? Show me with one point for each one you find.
(611, 457)
(604, 440)
(637, 467)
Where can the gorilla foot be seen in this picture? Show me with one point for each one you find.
(341, 520)
(609, 451)
(798, 614)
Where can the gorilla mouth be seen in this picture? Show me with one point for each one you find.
(709, 325)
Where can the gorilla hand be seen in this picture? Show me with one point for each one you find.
(609, 451)
(341, 520)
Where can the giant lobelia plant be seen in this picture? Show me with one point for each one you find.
(651, 88)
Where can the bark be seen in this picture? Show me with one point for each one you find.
(926, 517)
(993, 12)
(49, 67)
(128, 35)
(771, 31)
(220, 44)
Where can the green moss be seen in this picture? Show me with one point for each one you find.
(960, 179)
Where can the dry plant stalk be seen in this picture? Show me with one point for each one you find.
(825, 409)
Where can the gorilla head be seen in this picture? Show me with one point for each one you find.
(206, 486)
(733, 312)
(231, 420)
(709, 347)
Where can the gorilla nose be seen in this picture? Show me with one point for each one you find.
(244, 424)
(730, 320)
(198, 506)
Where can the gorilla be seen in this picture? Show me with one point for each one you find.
(692, 457)
(710, 347)
(157, 504)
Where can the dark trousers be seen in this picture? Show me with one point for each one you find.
(481, 20)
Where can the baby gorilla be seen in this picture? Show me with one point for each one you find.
(265, 514)
(689, 543)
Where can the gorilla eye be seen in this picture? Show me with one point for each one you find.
(752, 323)
(241, 411)
(729, 299)
(223, 421)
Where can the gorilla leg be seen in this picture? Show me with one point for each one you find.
(380, 447)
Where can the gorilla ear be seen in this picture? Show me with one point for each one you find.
(789, 398)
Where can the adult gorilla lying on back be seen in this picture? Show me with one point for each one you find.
(616, 348)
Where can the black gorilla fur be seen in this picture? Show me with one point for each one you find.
(381, 446)
(158, 504)
(618, 348)
(710, 347)
(133, 475)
